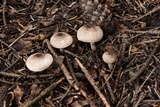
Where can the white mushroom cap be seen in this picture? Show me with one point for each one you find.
(89, 34)
(39, 61)
(61, 40)
(109, 58)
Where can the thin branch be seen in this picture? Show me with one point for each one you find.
(71, 70)
(149, 13)
(4, 16)
(145, 63)
(7, 45)
(152, 31)
(91, 80)
(25, 83)
(110, 91)
(141, 97)
(43, 93)
(21, 35)
(139, 89)
(74, 55)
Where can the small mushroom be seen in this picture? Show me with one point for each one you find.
(109, 58)
(38, 62)
(61, 40)
(90, 34)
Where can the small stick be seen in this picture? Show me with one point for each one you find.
(151, 101)
(22, 34)
(55, 4)
(24, 84)
(3, 73)
(11, 65)
(110, 91)
(7, 45)
(4, 16)
(70, 53)
(149, 13)
(43, 93)
(152, 31)
(91, 80)
(71, 70)
(139, 89)
(65, 94)
(145, 63)
(141, 97)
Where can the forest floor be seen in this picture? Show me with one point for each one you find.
(78, 76)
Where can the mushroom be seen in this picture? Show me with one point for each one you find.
(109, 58)
(61, 40)
(90, 34)
(38, 62)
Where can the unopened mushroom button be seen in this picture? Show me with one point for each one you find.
(109, 58)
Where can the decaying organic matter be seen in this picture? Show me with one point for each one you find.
(80, 74)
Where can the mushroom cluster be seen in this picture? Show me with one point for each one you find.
(40, 61)
(92, 34)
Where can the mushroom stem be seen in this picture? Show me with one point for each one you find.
(61, 49)
(93, 47)
(110, 66)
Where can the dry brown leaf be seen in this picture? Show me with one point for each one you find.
(76, 104)
(142, 24)
(18, 93)
(134, 49)
(69, 100)
(2, 35)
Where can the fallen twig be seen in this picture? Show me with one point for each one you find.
(15, 75)
(145, 63)
(74, 55)
(139, 89)
(7, 45)
(152, 31)
(4, 16)
(43, 93)
(91, 80)
(110, 91)
(71, 70)
(149, 13)
(25, 83)
(141, 97)
(136, 93)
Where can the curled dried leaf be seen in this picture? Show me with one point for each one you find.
(2, 35)
(18, 93)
